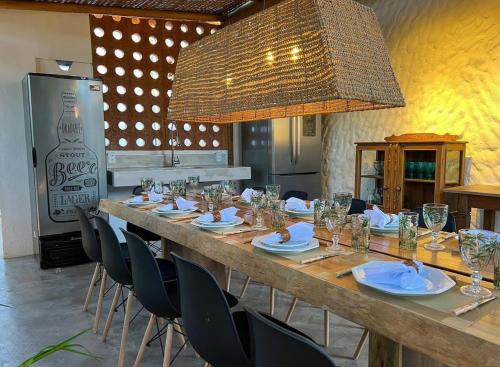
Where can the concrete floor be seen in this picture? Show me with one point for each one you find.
(45, 307)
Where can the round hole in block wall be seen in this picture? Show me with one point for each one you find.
(155, 126)
(202, 143)
(216, 128)
(169, 25)
(153, 40)
(106, 141)
(120, 71)
(172, 126)
(155, 92)
(215, 143)
(100, 51)
(202, 128)
(187, 142)
(169, 93)
(98, 16)
(155, 108)
(154, 74)
(136, 20)
(121, 90)
(137, 56)
(99, 32)
(138, 73)
(117, 35)
(105, 106)
(136, 37)
(169, 42)
(139, 126)
(138, 91)
(184, 43)
(184, 28)
(170, 60)
(104, 88)
(187, 127)
(101, 69)
(152, 23)
(106, 125)
(139, 108)
(140, 142)
(122, 142)
(119, 53)
(200, 30)
(122, 125)
(153, 57)
(156, 142)
(213, 30)
(117, 18)
(170, 76)
(122, 107)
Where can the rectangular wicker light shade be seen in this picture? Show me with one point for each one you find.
(298, 57)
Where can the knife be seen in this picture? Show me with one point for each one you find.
(341, 273)
(472, 306)
(317, 258)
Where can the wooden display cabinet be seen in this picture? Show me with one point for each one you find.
(406, 171)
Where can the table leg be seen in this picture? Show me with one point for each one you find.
(383, 352)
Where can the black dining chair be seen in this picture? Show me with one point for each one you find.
(450, 226)
(92, 248)
(275, 346)
(358, 206)
(294, 194)
(219, 336)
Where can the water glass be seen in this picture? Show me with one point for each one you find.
(408, 230)
(478, 248)
(435, 217)
(334, 225)
(217, 192)
(496, 266)
(146, 184)
(411, 166)
(320, 207)
(420, 167)
(230, 187)
(258, 203)
(273, 192)
(193, 181)
(278, 215)
(207, 195)
(341, 203)
(158, 187)
(360, 232)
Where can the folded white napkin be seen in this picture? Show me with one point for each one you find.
(298, 232)
(226, 215)
(136, 199)
(246, 195)
(381, 220)
(396, 273)
(297, 204)
(182, 204)
(166, 190)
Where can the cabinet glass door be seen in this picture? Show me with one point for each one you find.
(419, 178)
(372, 175)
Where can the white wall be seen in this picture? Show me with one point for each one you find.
(24, 36)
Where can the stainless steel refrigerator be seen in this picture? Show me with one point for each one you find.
(284, 151)
(65, 138)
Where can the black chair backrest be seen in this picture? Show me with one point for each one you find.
(358, 206)
(260, 188)
(450, 226)
(294, 194)
(112, 255)
(137, 190)
(207, 317)
(148, 283)
(90, 243)
(274, 346)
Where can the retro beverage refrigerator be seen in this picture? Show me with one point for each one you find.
(65, 138)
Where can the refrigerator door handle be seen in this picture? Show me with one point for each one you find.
(297, 139)
(33, 153)
(292, 140)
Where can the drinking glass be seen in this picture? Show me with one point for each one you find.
(147, 184)
(278, 215)
(179, 187)
(496, 266)
(435, 216)
(158, 187)
(420, 166)
(193, 181)
(273, 192)
(217, 195)
(477, 248)
(320, 212)
(408, 230)
(175, 189)
(411, 169)
(342, 202)
(334, 225)
(207, 196)
(360, 233)
(230, 187)
(258, 203)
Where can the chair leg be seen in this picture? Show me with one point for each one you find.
(326, 322)
(272, 292)
(290, 310)
(245, 286)
(145, 339)
(229, 271)
(99, 301)
(168, 345)
(180, 333)
(361, 344)
(91, 287)
(126, 322)
(111, 313)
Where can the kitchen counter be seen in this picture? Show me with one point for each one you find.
(123, 177)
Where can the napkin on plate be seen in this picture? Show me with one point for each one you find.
(396, 273)
(381, 220)
(246, 195)
(226, 215)
(298, 232)
(297, 204)
(182, 204)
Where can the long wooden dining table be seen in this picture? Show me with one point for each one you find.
(404, 331)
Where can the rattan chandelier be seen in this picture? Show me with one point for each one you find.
(298, 57)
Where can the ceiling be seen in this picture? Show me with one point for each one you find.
(214, 7)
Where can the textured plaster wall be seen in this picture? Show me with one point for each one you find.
(445, 54)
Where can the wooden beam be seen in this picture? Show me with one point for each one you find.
(246, 11)
(108, 10)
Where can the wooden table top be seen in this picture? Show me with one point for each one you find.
(481, 190)
(425, 324)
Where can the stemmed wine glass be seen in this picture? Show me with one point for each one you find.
(334, 226)
(273, 192)
(146, 184)
(193, 181)
(230, 187)
(477, 248)
(258, 203)
(435, 217)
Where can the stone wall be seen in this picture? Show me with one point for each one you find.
(445, 54)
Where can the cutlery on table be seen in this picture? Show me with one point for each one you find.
(317, 258)
(472, 306)
(341, 273)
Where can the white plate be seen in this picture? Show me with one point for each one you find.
(173, 212)
(149, 202)
(218, 224)
(300, 213)
(290, 244)
(206, 223)
(436, 281)
(257, 242)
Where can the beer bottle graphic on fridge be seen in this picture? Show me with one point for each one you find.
(72, 168)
